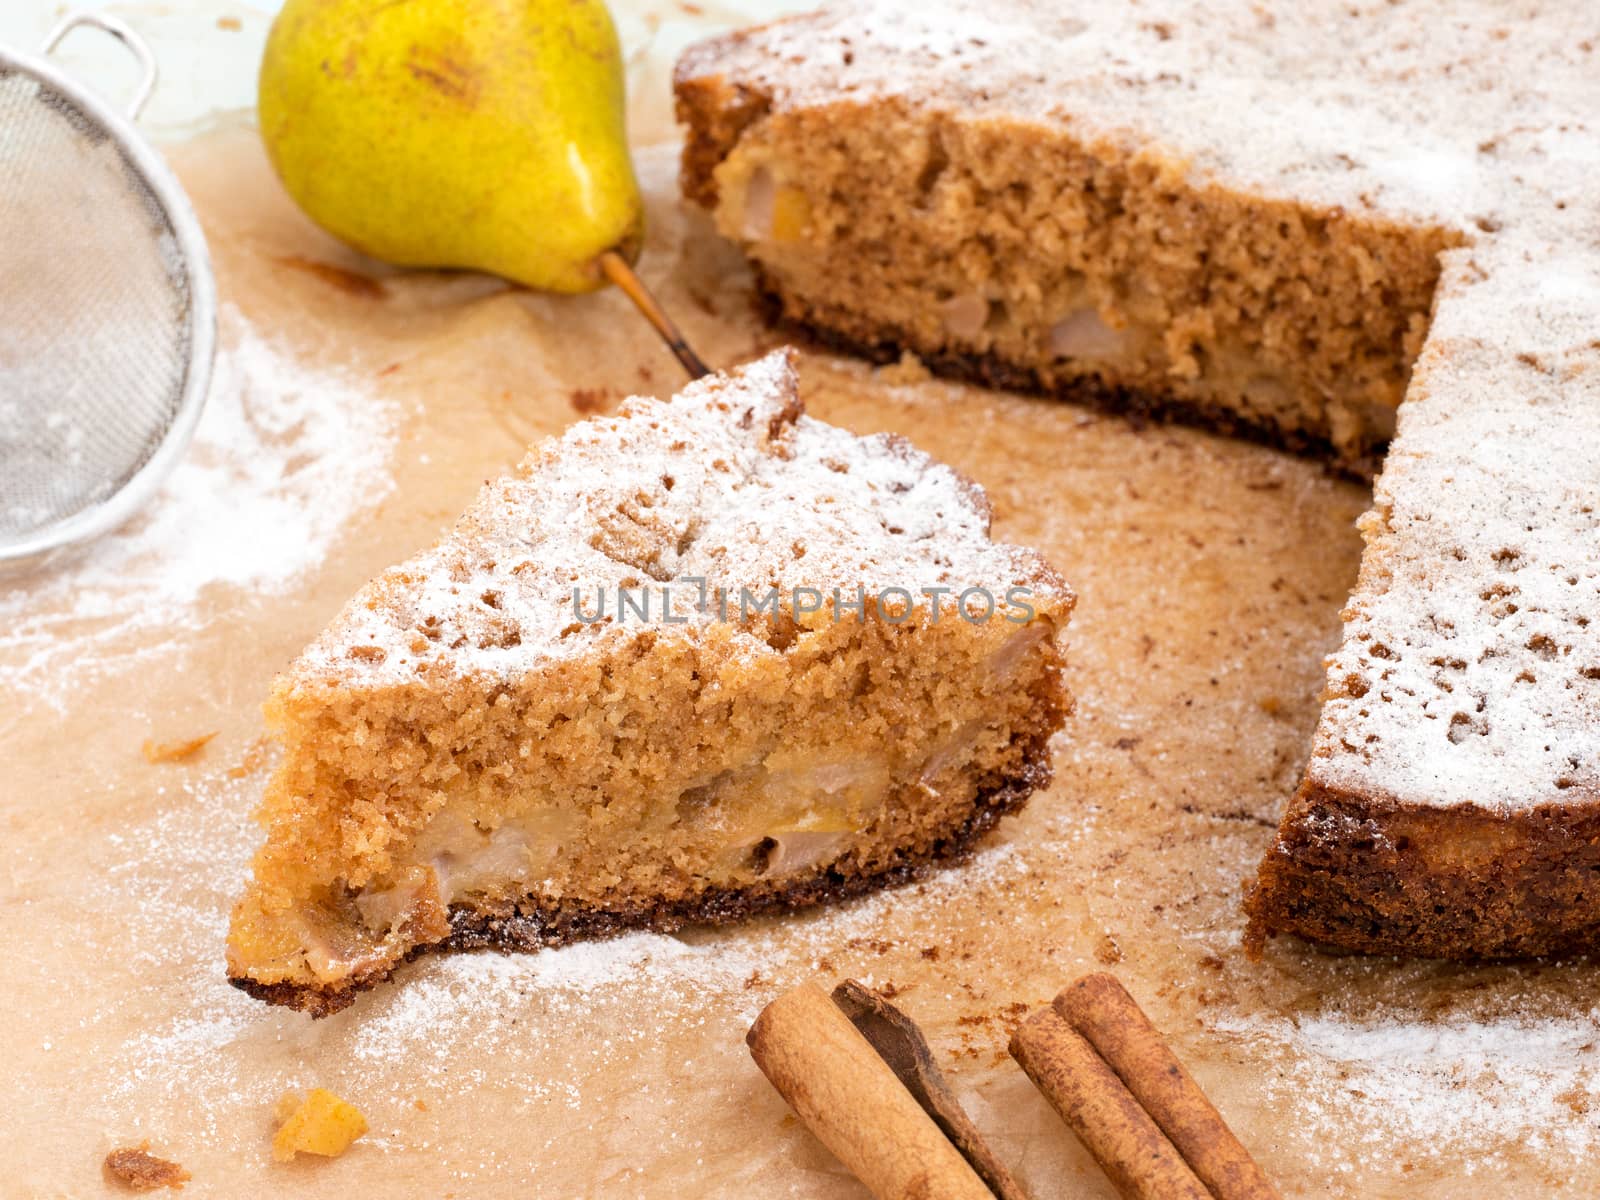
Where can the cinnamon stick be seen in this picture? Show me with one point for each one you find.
(902, 1047)
(1100, 1009)
(1130, 1148)
(847, 1095)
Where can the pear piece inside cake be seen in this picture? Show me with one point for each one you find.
(704, 658)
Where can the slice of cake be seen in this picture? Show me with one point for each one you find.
(1263, 217)
(706, 658)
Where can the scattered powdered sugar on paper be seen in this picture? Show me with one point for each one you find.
(1437, 1086)
(526, 1024)
(284, 454)
(183, 866)
(478, 994)
(435, 1006)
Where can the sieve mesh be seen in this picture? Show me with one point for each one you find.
(96, 308)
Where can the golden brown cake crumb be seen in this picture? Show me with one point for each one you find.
(316, 1123)
(178, 751)
(908, 368)
(255, 755)
(136, 1169)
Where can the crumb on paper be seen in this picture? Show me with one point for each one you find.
(909, 369)
(704, 302)
(165, 752)
(317, 1123)
(589, 401)
(254, 755)
(342, 279)
(136, 1169)
(230, 24)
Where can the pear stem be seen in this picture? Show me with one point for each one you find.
(617, 270)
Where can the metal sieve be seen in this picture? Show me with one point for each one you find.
(107, 305)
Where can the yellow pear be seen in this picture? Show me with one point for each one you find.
(486, 134)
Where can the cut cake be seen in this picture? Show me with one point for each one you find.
(1281, 220)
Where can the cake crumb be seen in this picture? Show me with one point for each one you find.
(317, 1123)
(255, 755)
(589, 401)
(909, 369)
(343, 279)
(136, 1169)
(165, 752)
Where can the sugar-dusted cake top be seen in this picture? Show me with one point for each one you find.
(1470, 673)
(1424, 109)
(728, 482)
(1470, 670)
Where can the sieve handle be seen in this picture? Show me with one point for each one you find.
(118, 29)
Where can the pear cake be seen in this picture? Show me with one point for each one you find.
(1336, 226)
(705, 658)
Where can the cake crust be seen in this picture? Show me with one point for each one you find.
(1376, 875)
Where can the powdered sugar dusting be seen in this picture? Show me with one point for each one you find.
(1467, 1091)
(1470, 671)
(476, 995)
(728, 483)
(284, 454)
(1407, 120)
(1457, 1088)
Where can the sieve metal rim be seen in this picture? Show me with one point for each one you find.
(169, 195)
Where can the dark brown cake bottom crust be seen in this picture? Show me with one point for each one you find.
(558, 924)
(1373, 877)
(882, 344)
